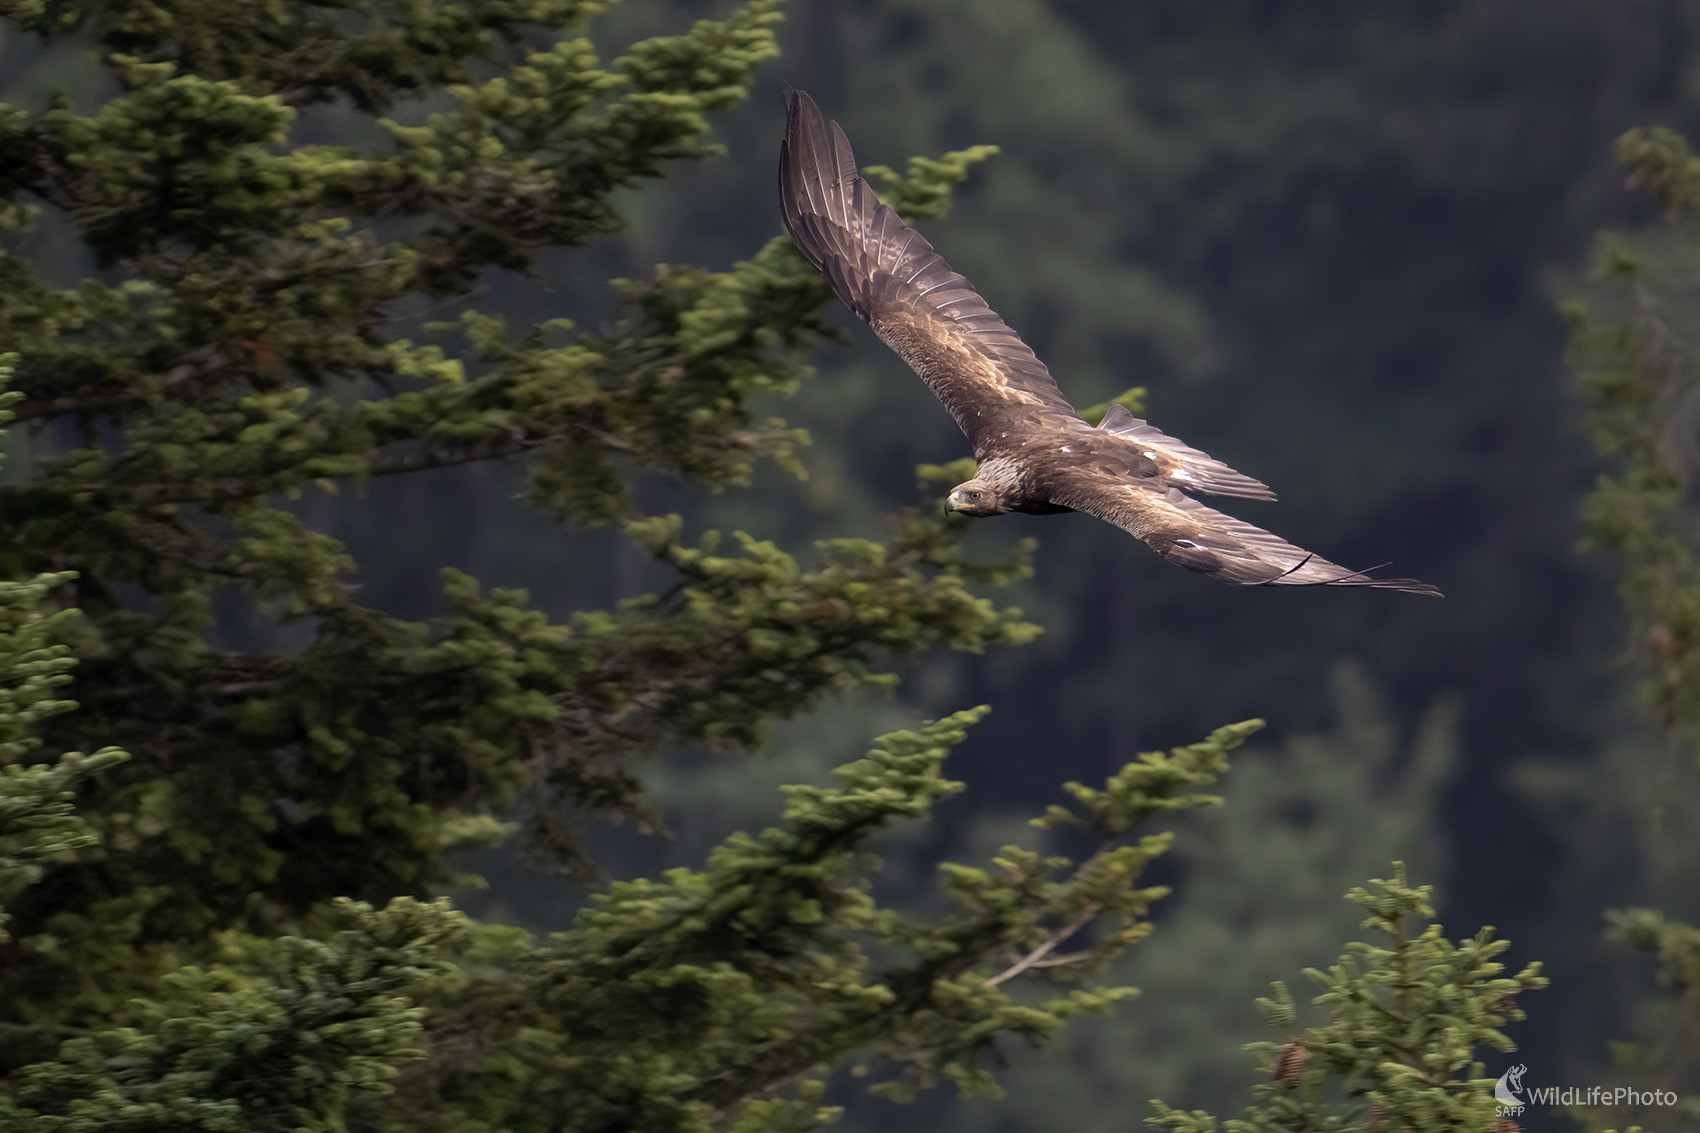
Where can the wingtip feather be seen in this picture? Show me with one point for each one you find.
(1360, 578)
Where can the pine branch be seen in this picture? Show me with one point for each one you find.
(1036, 958)
(202, 362)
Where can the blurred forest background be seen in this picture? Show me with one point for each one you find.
(1332, 241)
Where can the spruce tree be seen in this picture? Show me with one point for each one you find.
(1635, 339)
(1407, 1013)
(235, 921)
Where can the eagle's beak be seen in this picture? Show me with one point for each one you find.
(953, 503)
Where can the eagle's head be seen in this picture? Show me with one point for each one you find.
(977, 498)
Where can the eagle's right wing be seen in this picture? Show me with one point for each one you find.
(890, 276)
(1204, 540)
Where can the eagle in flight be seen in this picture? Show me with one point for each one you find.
(1034, 453)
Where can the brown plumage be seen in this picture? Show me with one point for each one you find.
(1035, 454)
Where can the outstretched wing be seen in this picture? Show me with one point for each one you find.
(1201, 539)
(890, 276)
(1180, 463)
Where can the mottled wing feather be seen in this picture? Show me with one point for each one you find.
(890, 276)
(1188, 534)
(1180, 463)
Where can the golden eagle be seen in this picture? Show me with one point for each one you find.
(1034, 452)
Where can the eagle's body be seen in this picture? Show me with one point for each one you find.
(1034, 452)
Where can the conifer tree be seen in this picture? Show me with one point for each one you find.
(1300, 825)
(230, 924)
(1635, 343)
(1407, 1013)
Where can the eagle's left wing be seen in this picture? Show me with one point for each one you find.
(1176, 461)
(1204, 540)
(890, 276)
